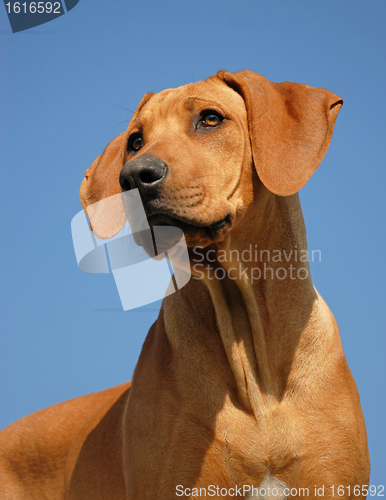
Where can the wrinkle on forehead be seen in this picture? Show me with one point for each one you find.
(176, 100)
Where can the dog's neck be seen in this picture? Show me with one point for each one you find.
(259, 282)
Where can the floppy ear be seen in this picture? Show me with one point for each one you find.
(101, 182)
(98, 182)
(99, 186)
(290, 128)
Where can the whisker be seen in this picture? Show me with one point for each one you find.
(117, 118)
(120, 123)
(201, 176)
(122, 107)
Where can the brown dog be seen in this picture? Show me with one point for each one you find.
(242, 380)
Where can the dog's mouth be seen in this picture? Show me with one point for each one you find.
(196, 233)
(191, 226)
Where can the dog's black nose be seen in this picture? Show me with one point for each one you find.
(144, 173)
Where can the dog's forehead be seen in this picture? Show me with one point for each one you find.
(192, 96)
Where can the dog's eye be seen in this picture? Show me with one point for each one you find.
(135, 143)
(211, 118)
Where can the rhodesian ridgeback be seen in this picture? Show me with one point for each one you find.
(242, 389)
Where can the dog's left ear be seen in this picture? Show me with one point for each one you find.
(290, 127)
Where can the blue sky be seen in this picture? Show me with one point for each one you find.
(69, 86)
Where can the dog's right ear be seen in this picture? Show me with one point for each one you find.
(99, 186)
(98, 182)
(101, 181)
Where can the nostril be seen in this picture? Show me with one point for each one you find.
(148, 176)
(125, 184)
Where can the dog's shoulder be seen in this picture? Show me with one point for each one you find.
(32, 448)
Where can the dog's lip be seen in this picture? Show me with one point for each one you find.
(184, 224)
(217, 226)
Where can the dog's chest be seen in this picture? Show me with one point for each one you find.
(254, 447)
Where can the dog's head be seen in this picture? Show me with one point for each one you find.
(193, 152)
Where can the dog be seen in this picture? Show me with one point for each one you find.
(242, 389)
